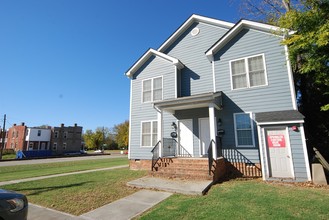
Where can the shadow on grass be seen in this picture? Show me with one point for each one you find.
(39, 190)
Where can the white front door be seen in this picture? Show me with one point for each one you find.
(185, 132)
(279, 157)
(204, 135)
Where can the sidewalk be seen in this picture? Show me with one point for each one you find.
(125, 208)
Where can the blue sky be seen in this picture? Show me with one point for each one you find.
(63, 61)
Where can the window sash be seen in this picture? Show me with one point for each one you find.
(243, 129)
(152, 89)
(149, 133)
(248, 72)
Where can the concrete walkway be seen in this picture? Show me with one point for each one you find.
(128, 207)
(188, 187)
(125, 208)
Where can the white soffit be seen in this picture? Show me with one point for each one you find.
(236, 29)
(147, 55)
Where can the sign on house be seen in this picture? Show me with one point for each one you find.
(276, 140)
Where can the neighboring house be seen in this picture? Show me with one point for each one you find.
(37, 139)
(66, 139)
(220, 91)
(15, 137)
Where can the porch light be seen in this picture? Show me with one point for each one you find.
(294, 128)
(174, 126)
(219, 122)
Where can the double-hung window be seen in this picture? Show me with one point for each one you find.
(243, 130)
(149, 133)
(248, 72)
(152, 89)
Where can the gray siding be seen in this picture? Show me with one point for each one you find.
(196, 77)
(144, 111)
(298, 155)
(275, 96)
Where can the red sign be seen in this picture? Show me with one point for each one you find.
(276, 140)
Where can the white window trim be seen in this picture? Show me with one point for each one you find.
(247, 71)
(252, 130)
(152, 89)
(141, 132)
(55, 146)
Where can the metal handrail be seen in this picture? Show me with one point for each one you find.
(181, 151)
(156, 154)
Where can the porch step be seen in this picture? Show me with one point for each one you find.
(183, 168)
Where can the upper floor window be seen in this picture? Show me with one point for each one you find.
(65, 135)
(39, 132)
(248, 72)
(243, 130)
(149, 133)
(152, 89)
(56, 134)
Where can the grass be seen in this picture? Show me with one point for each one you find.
(80, 193)
(34, 170)
(8, 156)
(246, 200)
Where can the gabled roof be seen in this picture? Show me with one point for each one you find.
(147, 55)
(194, 18)
(235, 30)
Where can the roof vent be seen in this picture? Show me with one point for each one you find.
(195, 31)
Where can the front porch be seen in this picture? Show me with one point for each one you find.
(176, 162)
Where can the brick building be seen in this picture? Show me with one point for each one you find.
(66, 139)
(16, 137)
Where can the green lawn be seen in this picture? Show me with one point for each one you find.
(80, 193)
(252, 199)
(26, 171)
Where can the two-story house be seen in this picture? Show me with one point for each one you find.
(15, 137)
(217, 91)
(37, 139)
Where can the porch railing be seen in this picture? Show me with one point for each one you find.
(170, 148)
(241, 163)
(156, 154)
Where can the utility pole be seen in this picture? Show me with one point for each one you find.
(3, 136)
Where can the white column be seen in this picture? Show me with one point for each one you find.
(212, 124)
(160, 131)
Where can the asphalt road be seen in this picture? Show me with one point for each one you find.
(55, 160)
